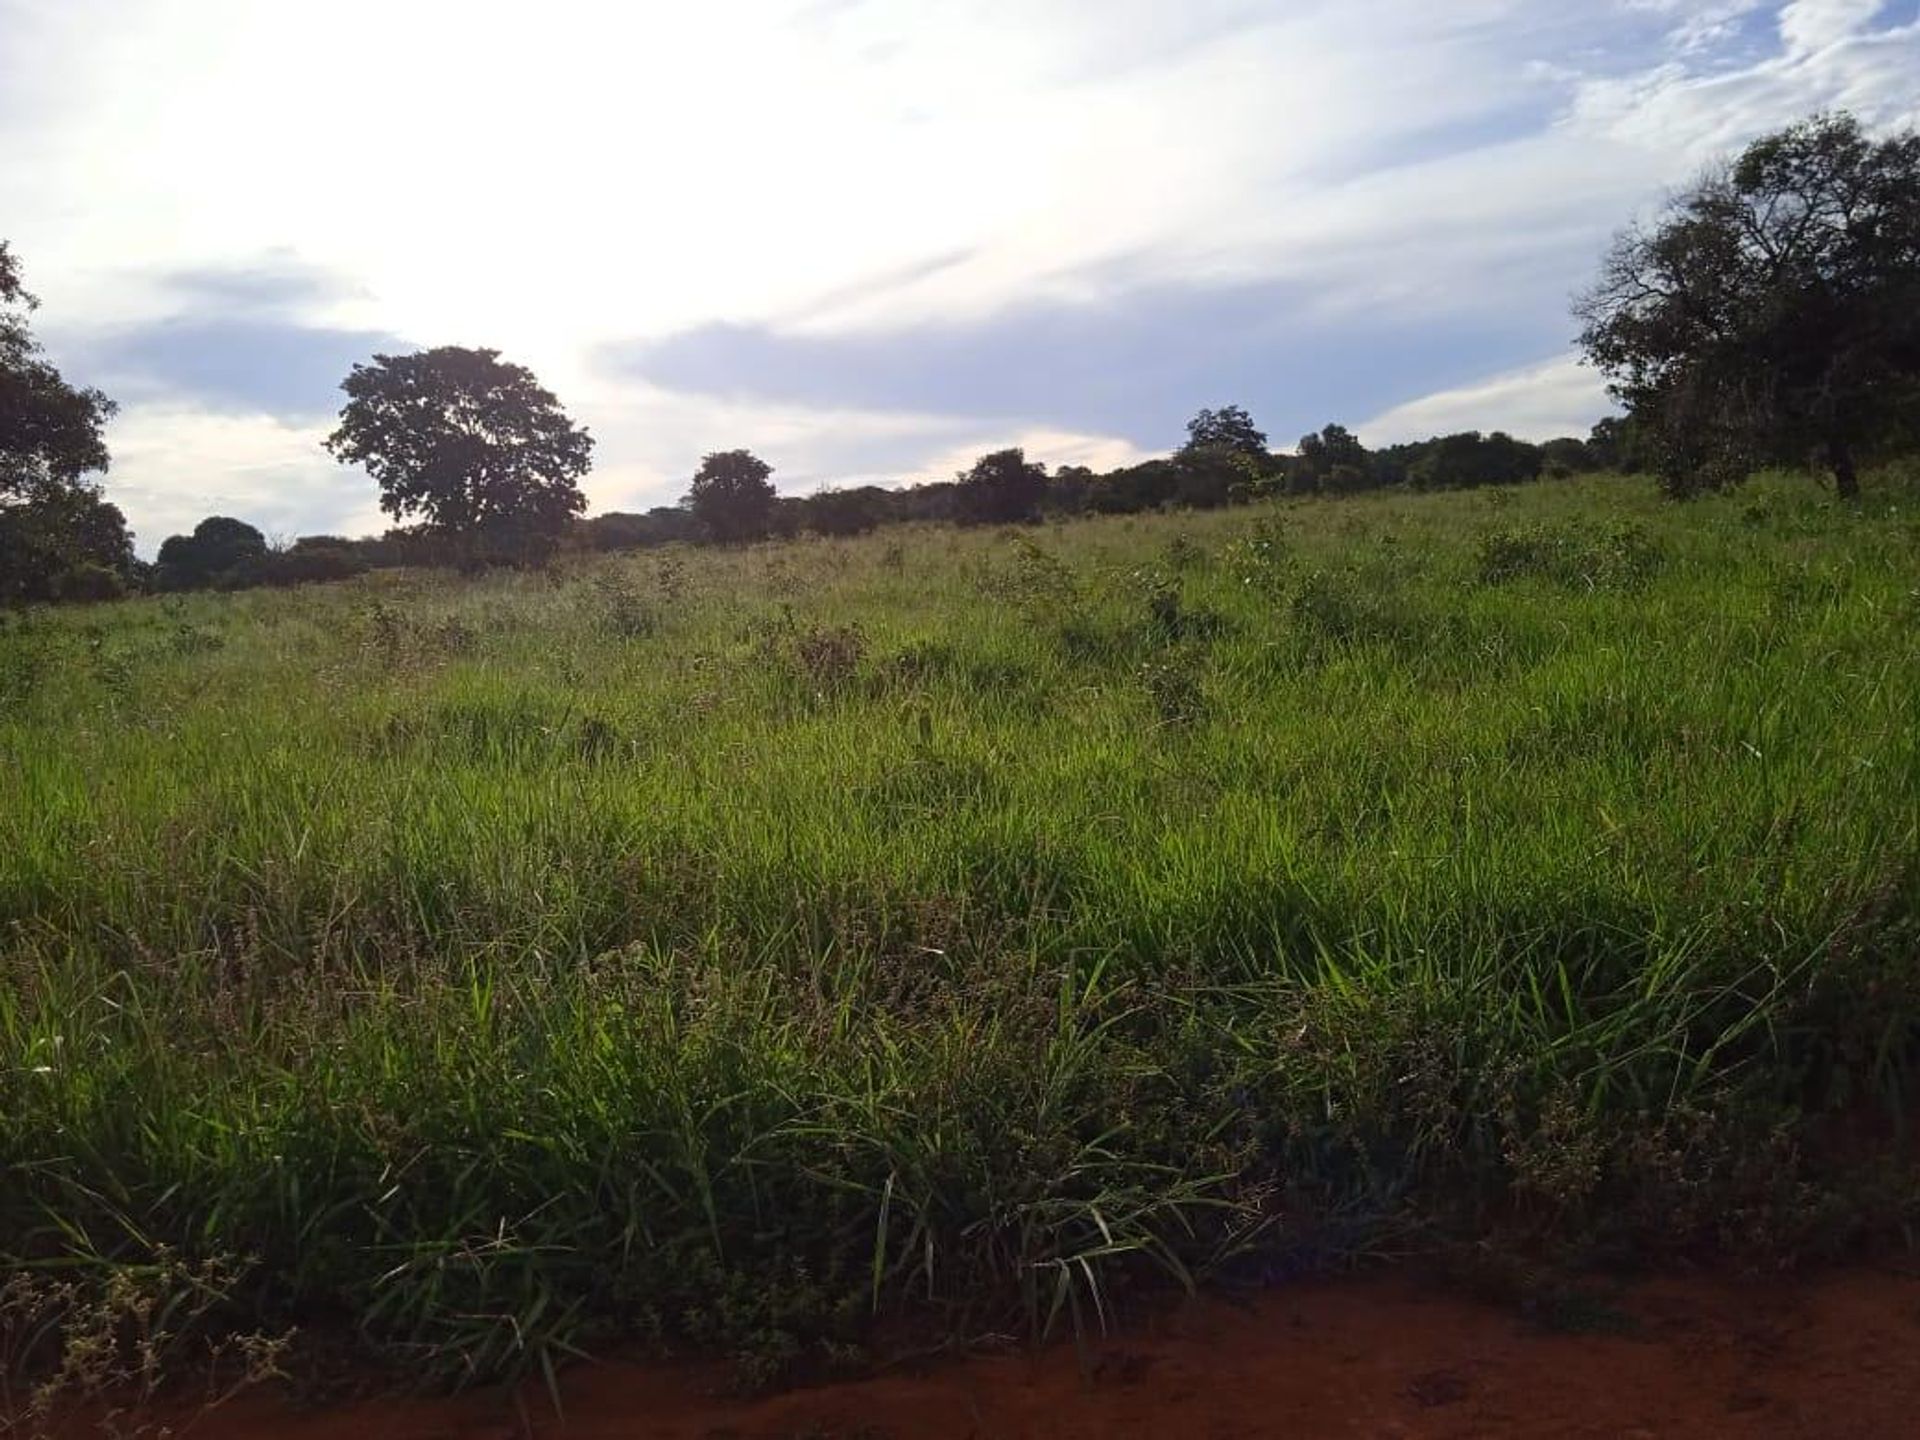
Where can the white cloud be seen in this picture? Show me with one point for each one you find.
(1699, 24)
(1809, 26)
(174, 465)
(1829, 58)
(1541, 402)
(547, 180)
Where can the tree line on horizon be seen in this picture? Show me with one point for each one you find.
(732, 500)
(1772, 316)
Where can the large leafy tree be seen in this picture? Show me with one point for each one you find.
(1773, 312)
(473, 446)
(1229, 428)
(218, 546)
(54, 527)
(1001, 488)
(732, 495)
(50, 431)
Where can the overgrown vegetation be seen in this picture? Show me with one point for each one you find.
(734, 945)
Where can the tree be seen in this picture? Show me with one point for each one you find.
(1334, 461)
(1566, 455)
(1228, 428)
(50, 432)
(473, 445)
(1146, 486)
(1773, 313)
(1209, 476)
(58, 538)
(66, 543)
(732, 497)
(845, 512)
(1616, 442)
(218, 547)
(1001, 488)
(1455, 462)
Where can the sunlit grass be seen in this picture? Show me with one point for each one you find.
(733, 944)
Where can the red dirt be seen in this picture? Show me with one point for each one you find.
(1835, 1355)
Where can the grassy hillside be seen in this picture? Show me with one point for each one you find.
(734, 945)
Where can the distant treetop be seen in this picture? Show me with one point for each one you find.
(732, 495)
(1228, 428)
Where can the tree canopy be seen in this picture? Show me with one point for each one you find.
(58, 538)
(50, 431)
(1228, 428)
(218, 546)
(1333, 460)
(1001, 488)
(1773, 312)
(473, 445)
(67, 543)
(732, 495)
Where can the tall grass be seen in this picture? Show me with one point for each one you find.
(734, 945)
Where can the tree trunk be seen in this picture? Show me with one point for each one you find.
(1846, 483)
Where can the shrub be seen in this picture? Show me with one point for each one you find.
(1574, 554)
(89, 582)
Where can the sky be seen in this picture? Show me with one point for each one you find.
(867, 239)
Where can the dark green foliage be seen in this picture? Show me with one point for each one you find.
(731, 496)
(1332, 461)
(1773, 314)
(312, 559)
(219, 547)
(1229, 428)
(1455, 462)
(57, 536)
(471, 444)
(49, 430)
(845, 512)
(1149, 485)
(1618, 442)
(89, 582)
(63, 543)
(662, 525)
(1583, 556)
(1209, 476)
(1001, 488)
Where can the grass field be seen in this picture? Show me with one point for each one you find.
(733, 946)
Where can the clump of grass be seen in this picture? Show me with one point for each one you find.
(1575, 554)
(1258, 560)
(621, 609)
(1035, 581)
(1174, 683)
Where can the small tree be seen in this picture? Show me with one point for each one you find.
(474, 446)
(1228, 428)
(732, 496)
(218, 546)
(1001, 488)
(1774, 311)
